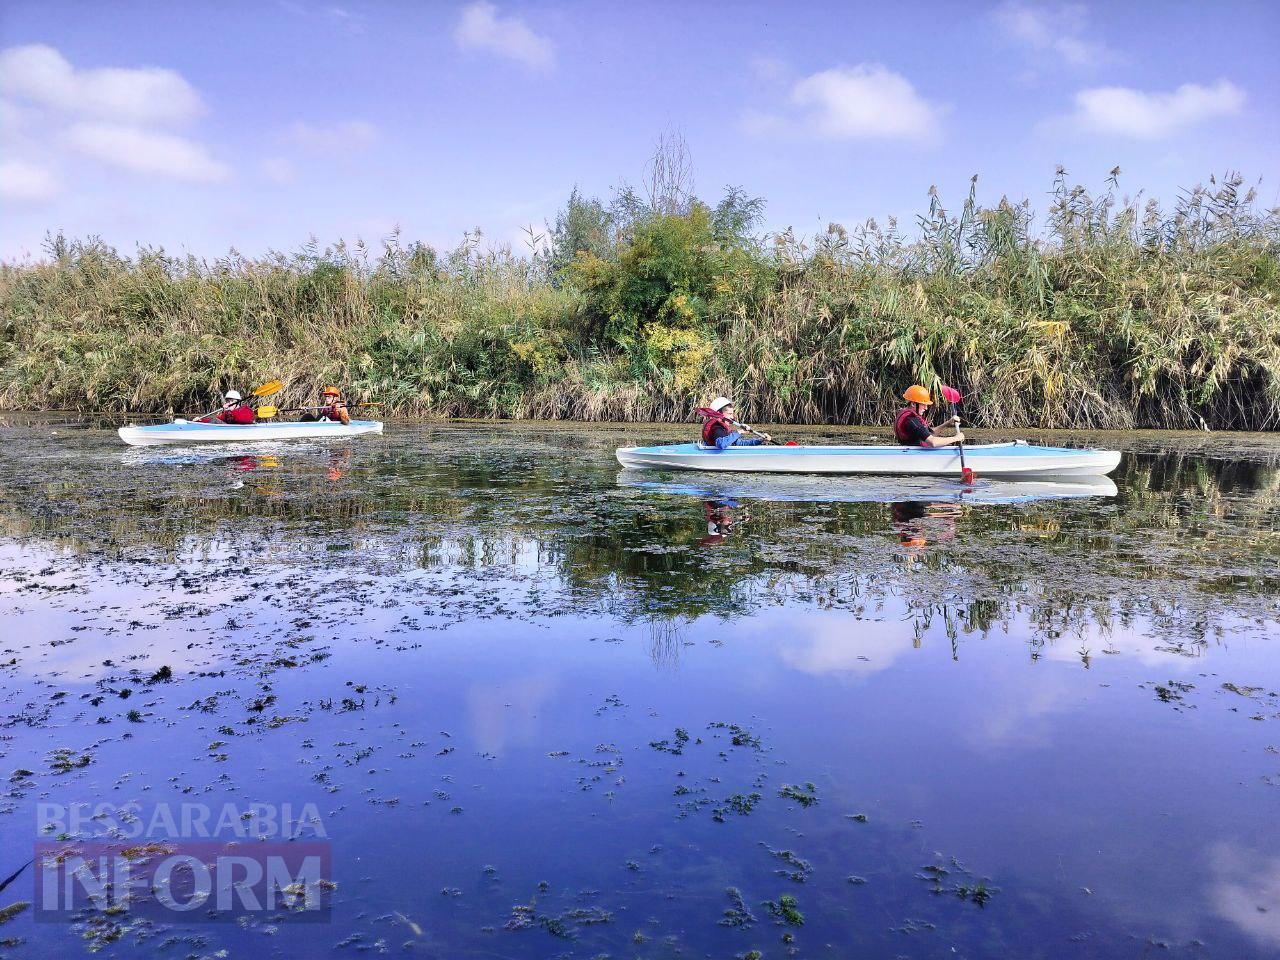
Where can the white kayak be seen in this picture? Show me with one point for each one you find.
(1015, 459)
(190, 431)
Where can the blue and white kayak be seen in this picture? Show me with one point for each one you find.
(190, 431)
(1015, 459)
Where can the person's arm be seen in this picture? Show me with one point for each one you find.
(936, 439)
(727, 440)
(343, 415)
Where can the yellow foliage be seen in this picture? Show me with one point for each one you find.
(686, 352)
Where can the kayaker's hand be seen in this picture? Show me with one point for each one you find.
(959, 435)
(766, 438)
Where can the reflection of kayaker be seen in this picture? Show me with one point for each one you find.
(911, 429)
(339, 460)
(917, 520)
(720, 521)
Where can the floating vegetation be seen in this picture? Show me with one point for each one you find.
(64, 760)
(739, 736)
(805, 795)
(1172, 691)
(563, 925)
(739, 803)
(737, 914)
(940, 878)
(785, 910)
(674, 746)
(799, 869)
(13, 909)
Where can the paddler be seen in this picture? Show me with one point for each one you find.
(234, 411)
(721, 430)
(332, 407)
(912, 429)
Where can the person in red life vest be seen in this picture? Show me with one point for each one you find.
(332, 407)
(234, 411)
(912, 430)
(721, 431)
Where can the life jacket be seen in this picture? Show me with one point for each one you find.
(900, 428)
(239, 416)
(714, 429)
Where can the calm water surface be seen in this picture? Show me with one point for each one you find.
(544, 707)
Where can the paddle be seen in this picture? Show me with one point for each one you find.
(953, 397)
(371, 403)
(268, 389)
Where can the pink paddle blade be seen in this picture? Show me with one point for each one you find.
(951, 394)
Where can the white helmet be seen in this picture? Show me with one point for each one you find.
(232, 395)
(719, 403)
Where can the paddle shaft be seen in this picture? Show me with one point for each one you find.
(745, 429)
(964, 468)
(305, 409)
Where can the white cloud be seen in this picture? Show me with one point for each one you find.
(42, 76)
(482, 28)
(346, 137)
(279, 170)
(145, 151)
(1059, 30)
(867, 101)
(1149, 116)
(1245, 890)
(22, 182)
(345, 19)
(12, 116)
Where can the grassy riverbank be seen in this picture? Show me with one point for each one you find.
(1100, 313)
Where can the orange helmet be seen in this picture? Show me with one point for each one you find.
(331, 392)
(917, 394)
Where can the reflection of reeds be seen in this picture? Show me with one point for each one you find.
(1189, 545)
(1112, 314)
(666, 639)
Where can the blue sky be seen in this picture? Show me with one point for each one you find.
(255, 125)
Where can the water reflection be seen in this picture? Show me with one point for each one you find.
(862, 489)
(1168, 539)
(919, 522)
(722, 518)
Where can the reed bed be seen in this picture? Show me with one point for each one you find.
(1104, 313)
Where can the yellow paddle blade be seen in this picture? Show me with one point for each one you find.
(268, 389)
(267, 412)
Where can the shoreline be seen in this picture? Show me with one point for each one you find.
(77, 417)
